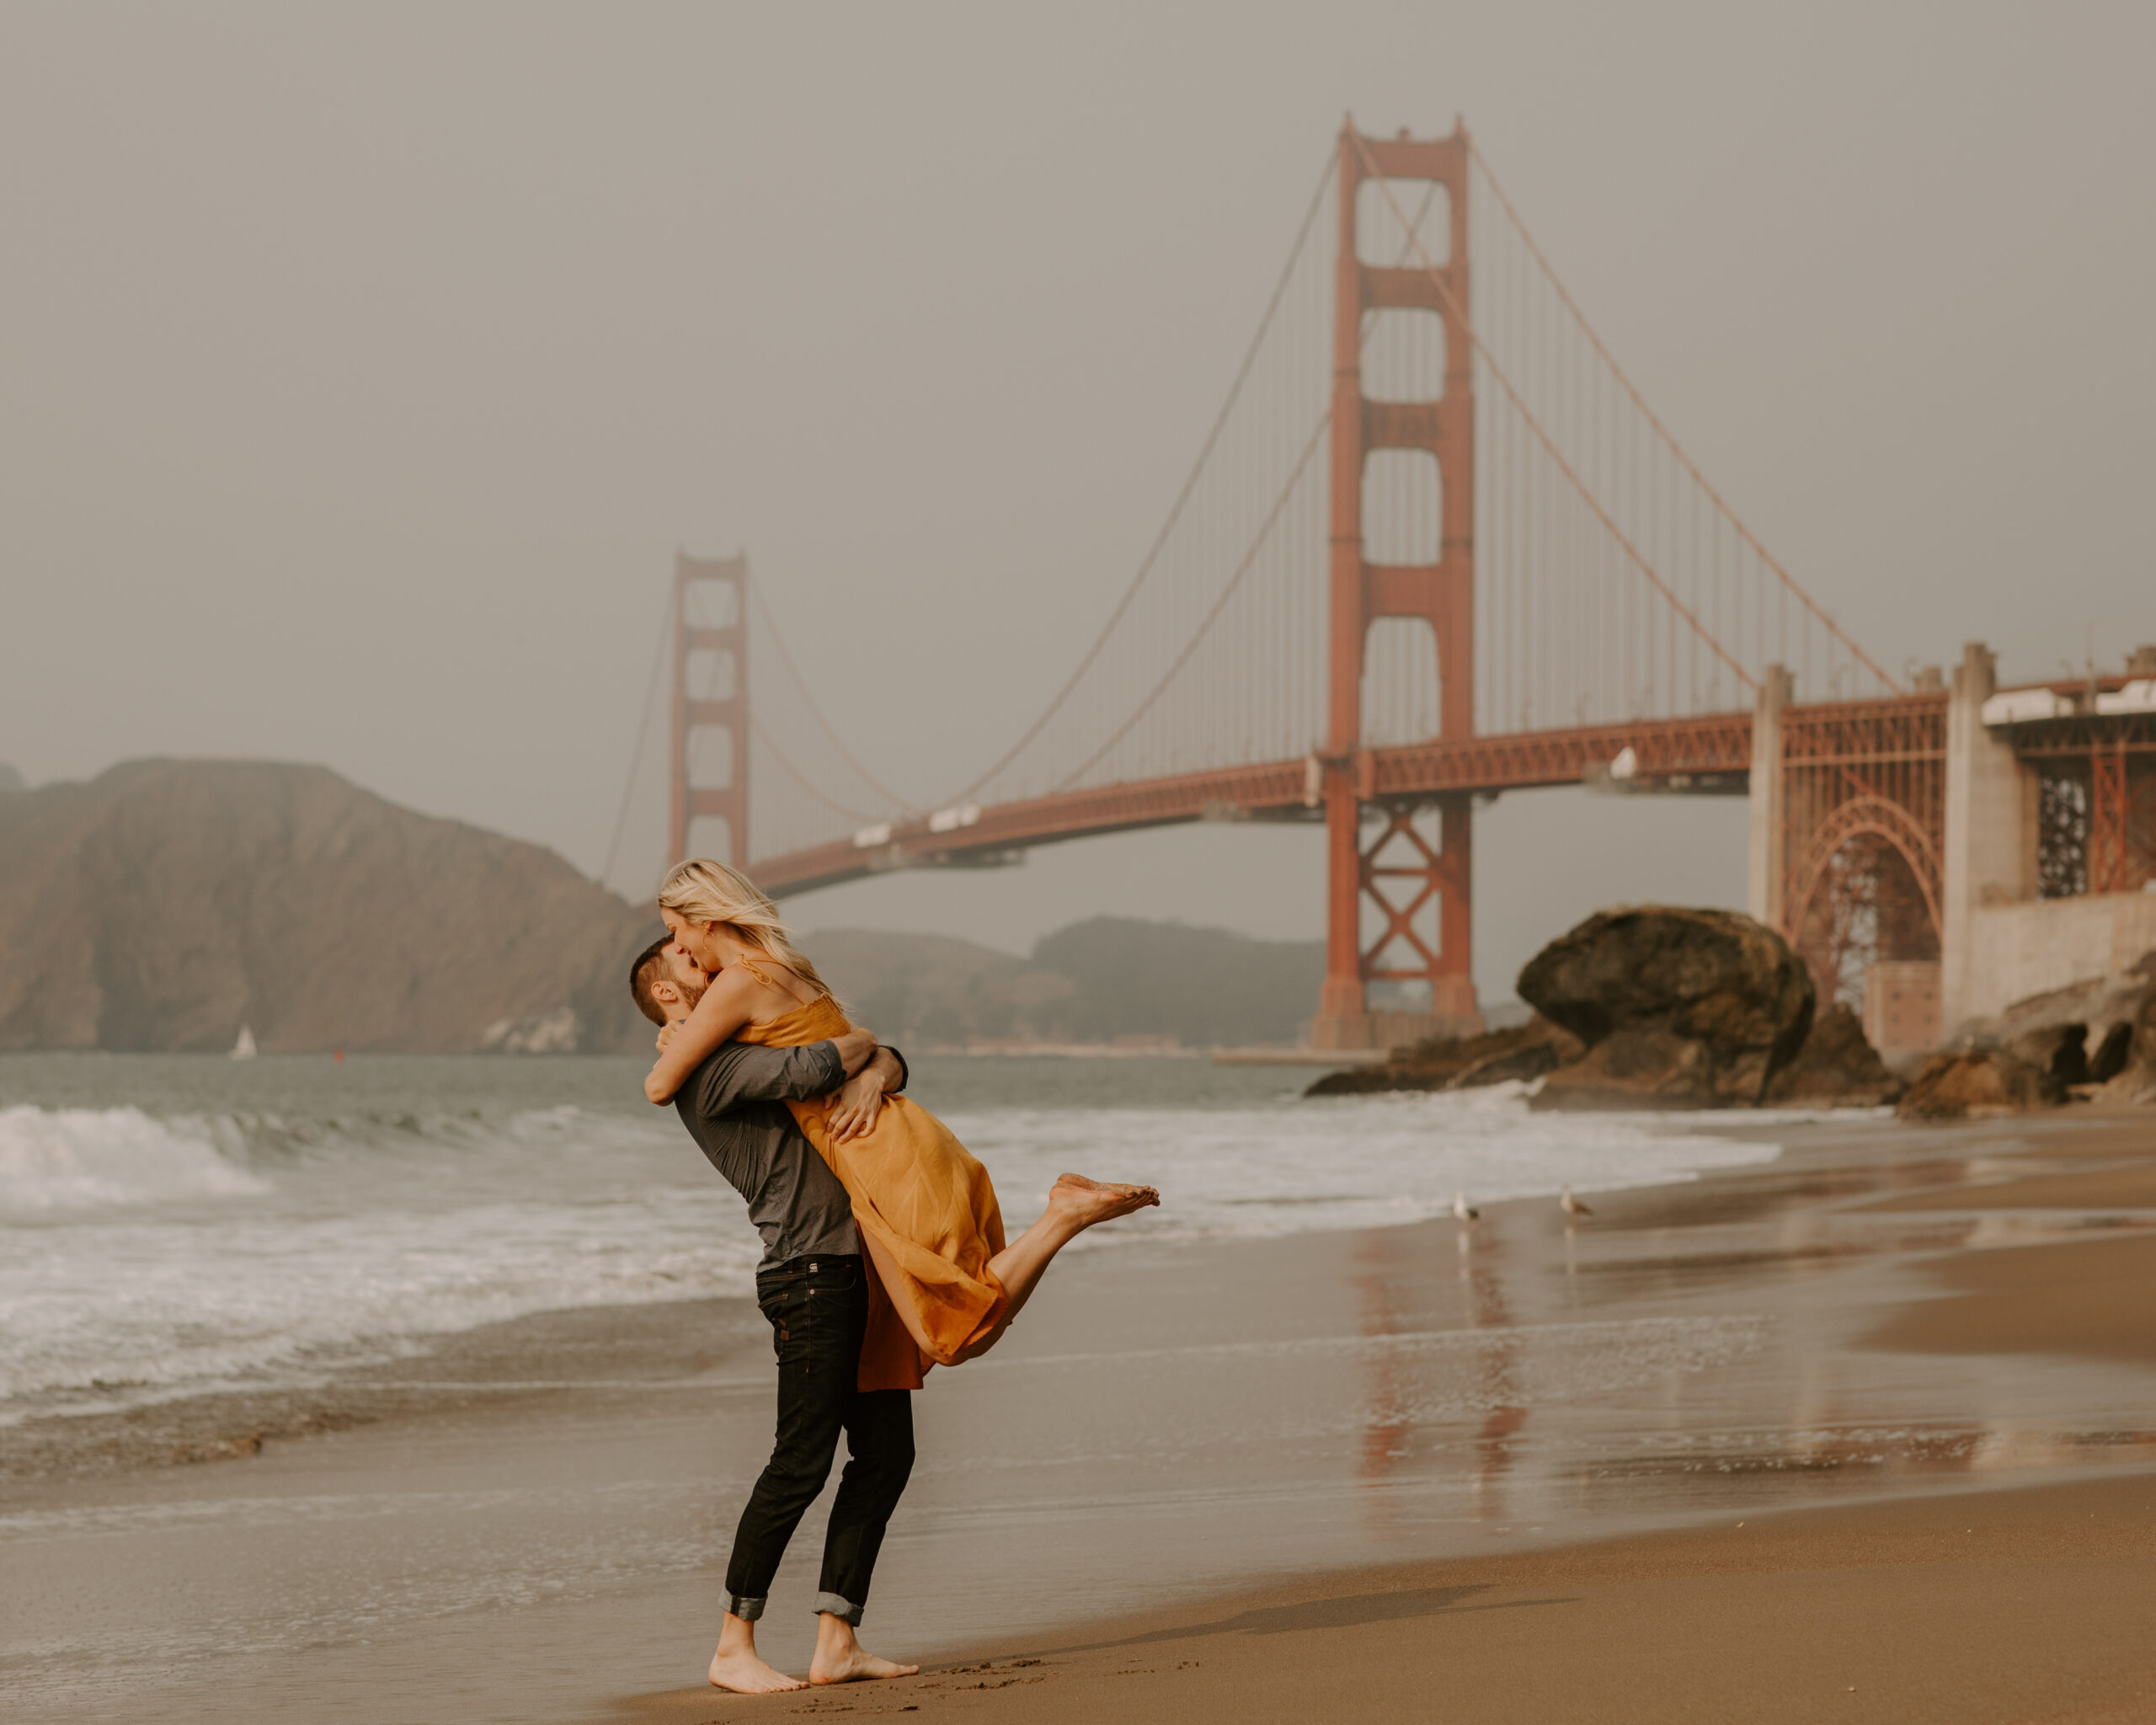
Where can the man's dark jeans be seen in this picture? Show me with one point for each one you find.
(818, 1308)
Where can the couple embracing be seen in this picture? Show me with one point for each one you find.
(883, 1246)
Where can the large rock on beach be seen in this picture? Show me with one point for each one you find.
(1521, 1052)
(1676, 1008)
(1837, 1067)
(1976, 1083)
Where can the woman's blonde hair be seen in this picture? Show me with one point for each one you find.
(704, 890)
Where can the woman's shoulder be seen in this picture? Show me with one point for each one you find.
(734, 983)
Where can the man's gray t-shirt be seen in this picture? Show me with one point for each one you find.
(734, 1107)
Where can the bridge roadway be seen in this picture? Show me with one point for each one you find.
(1713, 749)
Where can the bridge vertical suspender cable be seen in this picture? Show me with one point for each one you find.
(815, 712)
(786, 766)
(1534, 424)
(1182, 499)
(1212, 616)
(636, 755)
(1676, 450)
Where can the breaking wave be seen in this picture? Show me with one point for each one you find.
(144, 1255)
(58, 1160)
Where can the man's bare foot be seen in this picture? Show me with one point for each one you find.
(857, 1666)
(745, 1673)
(736, 1666)
(840, 1659)
(1091, 1201)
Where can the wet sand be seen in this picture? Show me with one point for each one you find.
(2096, 1298)
(1413, 1472)
(1973, 1609)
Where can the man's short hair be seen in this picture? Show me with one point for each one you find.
(645, 971)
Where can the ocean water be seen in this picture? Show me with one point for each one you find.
(173, 1225)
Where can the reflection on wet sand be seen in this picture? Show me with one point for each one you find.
(1387, 1267)
(1482, 1269)
(1697, 1349)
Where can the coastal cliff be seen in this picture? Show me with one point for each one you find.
(165, 904)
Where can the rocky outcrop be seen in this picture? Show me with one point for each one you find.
(1522, 1052)
(1837, 1067)
(2112, 1052)
(2099, 1031)
(166, 902)
(2098, 1004)
(2136, 1079)
(1973, 1083)
(2060, 1050)
(1675, 1009)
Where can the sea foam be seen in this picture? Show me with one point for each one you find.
(143, 1256)
(56, 1161)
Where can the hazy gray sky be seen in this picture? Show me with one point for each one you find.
(360, 370)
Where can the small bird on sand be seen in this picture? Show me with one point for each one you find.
(1572, 1207)
(1462, 1210)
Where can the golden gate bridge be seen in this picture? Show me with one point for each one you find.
(1435, 545)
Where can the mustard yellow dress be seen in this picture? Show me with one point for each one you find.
(920, 1196)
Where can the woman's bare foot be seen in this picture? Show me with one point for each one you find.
(841, 1659)
(1090, 1201)
(737, 1667)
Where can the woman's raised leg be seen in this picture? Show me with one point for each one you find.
(1075, 1203)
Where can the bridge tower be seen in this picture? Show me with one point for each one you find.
(1392, 880)
(711, 693)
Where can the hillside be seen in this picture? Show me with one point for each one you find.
(1093, 981)
(165, 903)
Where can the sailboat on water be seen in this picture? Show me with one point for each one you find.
(244, 1050)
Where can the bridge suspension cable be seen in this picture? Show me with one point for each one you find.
(1549, 444)
(643, 731)
(1612, 579)
(1625, 381)
(816, 713)
(1213, 616)
(1152, 558)
(1272, 517)
(762, 734)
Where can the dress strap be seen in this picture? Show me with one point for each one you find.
(757, 971)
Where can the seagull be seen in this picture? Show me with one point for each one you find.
(1571, 1206)
(1462, 1210)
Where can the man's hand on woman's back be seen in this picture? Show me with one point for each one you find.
(854, 1110)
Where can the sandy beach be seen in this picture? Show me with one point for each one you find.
(1868, 1431)
(2011, 1605)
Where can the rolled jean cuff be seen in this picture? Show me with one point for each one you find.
(748, 1610)
(836, 1605)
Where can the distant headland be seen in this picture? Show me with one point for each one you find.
(164, 905)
